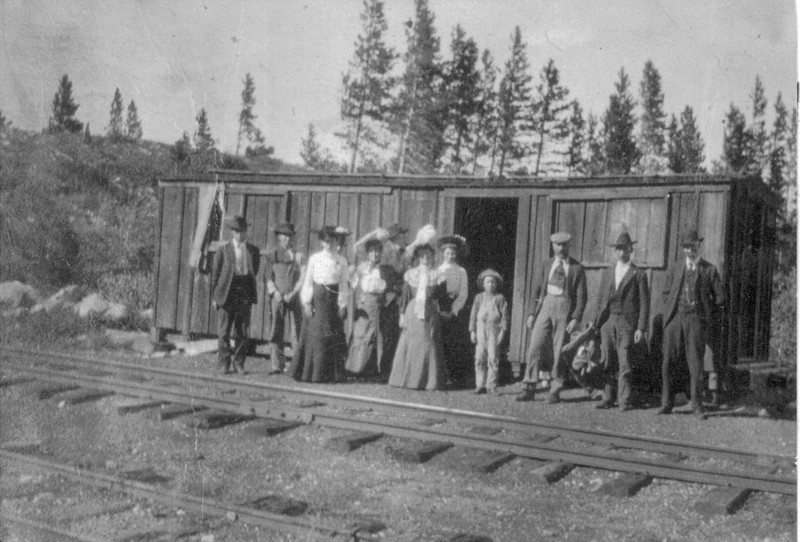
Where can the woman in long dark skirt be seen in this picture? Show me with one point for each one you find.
(372, 283)
(458, 358)
(324, 295)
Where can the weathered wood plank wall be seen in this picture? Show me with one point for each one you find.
(737, 226)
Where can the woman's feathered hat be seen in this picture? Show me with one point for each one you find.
(425, 236)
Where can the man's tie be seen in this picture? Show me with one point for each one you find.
(559, 276)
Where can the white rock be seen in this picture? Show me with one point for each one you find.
(92, 305)
(15, 294)
(207, 538)
(66, 298)
(115, 312)
(120, 337)
(194, 348)
(231, 515)
(146, 314)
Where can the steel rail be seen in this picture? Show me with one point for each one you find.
(200, 505)
(620, 440)
(531, 449)
(63, 534)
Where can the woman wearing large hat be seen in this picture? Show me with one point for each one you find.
(282, 284)
(419, 360)
(455, 287)
(324, 296)
(372, 284)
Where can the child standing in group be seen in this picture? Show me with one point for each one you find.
(488, 324)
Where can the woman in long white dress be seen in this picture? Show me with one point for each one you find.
(324, 296)
(419, 360)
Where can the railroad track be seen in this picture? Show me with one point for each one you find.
(564, 445)
(356, 421)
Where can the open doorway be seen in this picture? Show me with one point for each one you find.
(490, 227)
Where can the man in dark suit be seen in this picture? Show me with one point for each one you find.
(558, 298)
(233, 288)
(692, 299)
(622, 316)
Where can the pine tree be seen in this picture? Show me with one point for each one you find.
(419, 116)
(685, 144)
(651, 121)
(736, 145)
(777, 147)
(87, 134)
(549, 120)
(595, 162)
(484, 129)
(205, 155)
(182, 149)
(758, 131)
(462, 99)
(513, 105)
(368, 85)
(621, 152)
(247, 128)
(64, 109)
(674, 149)
(4, 122)
(574, 157)
(133, 126)
(114, 130)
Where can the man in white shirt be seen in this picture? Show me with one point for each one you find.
(622, 316)
(558, 298)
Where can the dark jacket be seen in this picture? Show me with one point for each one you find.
(223, 271)
(575, 290)
(710, 294)
(634, 297)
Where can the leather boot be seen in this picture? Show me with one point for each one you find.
(528, 394)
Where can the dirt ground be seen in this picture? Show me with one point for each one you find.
(434, 501)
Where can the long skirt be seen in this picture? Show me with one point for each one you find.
(322, 343)
(419, 360)
(366, 344)
(457, 352)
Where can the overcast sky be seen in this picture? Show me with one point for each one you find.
(174, 57)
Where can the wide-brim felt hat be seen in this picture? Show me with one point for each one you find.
(373, 244)
(285, 229)
(691, 238)
(331, 232)
(561, 237)
(237, 223)
(489, 273)
(623, 240)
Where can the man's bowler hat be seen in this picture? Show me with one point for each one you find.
(623, 240)
(238, 223)
(285, 229)
(691, 238)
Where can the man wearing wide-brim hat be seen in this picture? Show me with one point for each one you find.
(284, 267)
(692, 298)
(622, 316)
(233, 290)
(558, 301)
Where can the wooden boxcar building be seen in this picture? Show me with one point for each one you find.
(507, 223)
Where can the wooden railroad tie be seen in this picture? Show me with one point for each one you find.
(721, 501)
(626, 484)
(15, 380)
(214, 419)
(491, 461)
(552, 472)
(86, 396)
(138, 406)
(351, 441)
(169, 411)
(46, 391)
(277, 504)
(267, 427)
(418, 453)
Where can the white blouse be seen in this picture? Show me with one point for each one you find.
(326, 268)
(369, 279)
(457, 284)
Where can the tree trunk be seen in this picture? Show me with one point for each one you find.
(358, 135)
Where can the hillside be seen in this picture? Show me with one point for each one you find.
(84, 212)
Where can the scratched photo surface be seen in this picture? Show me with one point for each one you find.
(136, 136)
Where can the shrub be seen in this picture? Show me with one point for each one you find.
(46, 329)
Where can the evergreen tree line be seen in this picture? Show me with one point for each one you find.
(462, 113)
